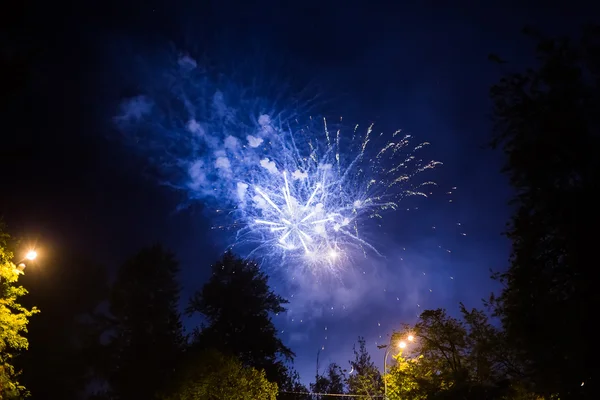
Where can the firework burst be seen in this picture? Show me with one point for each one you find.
(317, 189)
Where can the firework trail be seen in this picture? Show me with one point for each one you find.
(292, 188)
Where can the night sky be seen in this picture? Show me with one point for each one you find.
(70, 183)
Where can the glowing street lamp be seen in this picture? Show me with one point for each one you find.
(30, 256)
(402, 344)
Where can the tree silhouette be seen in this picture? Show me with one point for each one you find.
(146, 333)
(546, 121)
(335, 378)
(331, 382)
(292, 388)
(237, 304)
(365, 378)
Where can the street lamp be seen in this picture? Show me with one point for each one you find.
(401, 344)
(30, 256)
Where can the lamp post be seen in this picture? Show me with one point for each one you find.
(401, 344)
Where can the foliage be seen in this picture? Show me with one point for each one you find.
(145, 333)
(546, 122)
(212, 376)
(365, 378)
(405, 380)
(335, 378)
(332, 382)
(14, 318)
(453, 358)
(237, 304)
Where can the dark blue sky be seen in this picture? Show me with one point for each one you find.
(417, 65)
